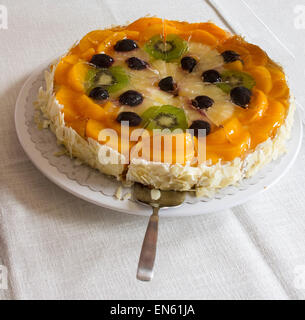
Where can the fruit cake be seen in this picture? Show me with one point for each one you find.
(160, 74)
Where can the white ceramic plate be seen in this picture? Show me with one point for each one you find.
(265, 179)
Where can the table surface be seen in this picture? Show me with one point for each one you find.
(56, 246)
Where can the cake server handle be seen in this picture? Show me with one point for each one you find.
(149, 248)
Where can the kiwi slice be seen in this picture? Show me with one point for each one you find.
(112, 79)
(90, 79)
(164, 117)
(232, 79)
(169, 49)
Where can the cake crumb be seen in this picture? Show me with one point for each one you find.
(127, 196)
(60, 153)
(155, 194)
(118, 193)
(78, 162)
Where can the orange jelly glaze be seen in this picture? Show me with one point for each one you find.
(240, 134)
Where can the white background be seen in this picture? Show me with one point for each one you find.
(57, 246)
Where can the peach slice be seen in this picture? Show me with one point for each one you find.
(71, 59)
(259, 57)
(256, 109)
(77, 75)
(89, 109)
(134, 35)
(236, 65)
(217, 137)
(212, 156)
(214, 30)
(266, 127)
(63, 67)
(244, 53)
(87, 55)
(93, 38)
(61, 71)
(175, 27)
(93, 128)
(112, 139)
(79, 125)
(275, 111)
(111, 110)
(110, 136)
(66, 97)
(230, 150)
(238, 149)
(228, 142)
(201, 36)
(110, 41)
(279, 89)
(169, 29)
(158, 29)
(65, 94)
(70, 114)
(183, 149)
(226, 132)
(169, 148)
(206, 26)
(285, 103)
(75, 50)
(143, 24)
(276, 73)
(262, 78)
(232, 128)
(155, 29)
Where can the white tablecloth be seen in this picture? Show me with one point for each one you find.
(57, 246)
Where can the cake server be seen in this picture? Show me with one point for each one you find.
(156, 199)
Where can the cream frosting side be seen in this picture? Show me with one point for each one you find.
(88, 151)
(205, 180)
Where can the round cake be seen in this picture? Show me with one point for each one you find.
(172, 105)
